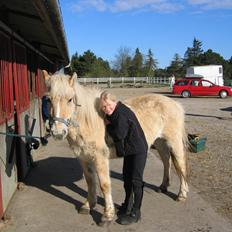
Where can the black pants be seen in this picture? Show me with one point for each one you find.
(133, 168)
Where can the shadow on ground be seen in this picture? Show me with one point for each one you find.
(229, 109)
(66, 172)
(155, 188)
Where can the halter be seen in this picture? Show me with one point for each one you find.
(67, 122)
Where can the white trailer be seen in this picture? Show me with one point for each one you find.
(213, 73)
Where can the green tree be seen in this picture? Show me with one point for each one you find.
(74, 61)
(100, 68)
(193, 53)
(137, 64)
(228, 69)
(161, 72)
(176, 67)
(210, 57)
(122, 62)
(77, 65)
(89, 59)
(88, 65)
(150, 65)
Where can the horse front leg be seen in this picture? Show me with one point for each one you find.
(103, 172)
(90, 176)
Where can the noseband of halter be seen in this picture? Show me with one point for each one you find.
(68, 122)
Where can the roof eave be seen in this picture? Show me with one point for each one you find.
(50, 11)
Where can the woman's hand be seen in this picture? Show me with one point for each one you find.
(107, 122)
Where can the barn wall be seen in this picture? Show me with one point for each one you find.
(9, 178)
(21, 89)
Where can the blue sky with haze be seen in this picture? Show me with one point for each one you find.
(165, 26)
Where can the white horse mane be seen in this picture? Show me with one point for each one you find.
(88, 99)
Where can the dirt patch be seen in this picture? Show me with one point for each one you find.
(210, 171)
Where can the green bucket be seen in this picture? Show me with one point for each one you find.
(197, 143)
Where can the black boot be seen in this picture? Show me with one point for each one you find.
(122, 209)
(125, 208)
(135, 214)
(133, 217)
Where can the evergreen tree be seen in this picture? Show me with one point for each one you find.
(177, 67)
(88, 65)
(89, 59)
(161, 72)
(100, 68)
(228, 69)
(150, 65)
(196, 49)
(77, 65)
(192, 54)
(74, 62)
(137, 64)
(210, 57)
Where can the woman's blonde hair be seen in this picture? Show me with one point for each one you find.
(107, 96)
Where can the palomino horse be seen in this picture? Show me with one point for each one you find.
(77, 117)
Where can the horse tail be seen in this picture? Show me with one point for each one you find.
(178, 168)
(179, 158)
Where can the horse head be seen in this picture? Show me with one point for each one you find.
(63, 100)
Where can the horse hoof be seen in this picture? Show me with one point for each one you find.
(104, 223)
(181, 199)
(84, 211)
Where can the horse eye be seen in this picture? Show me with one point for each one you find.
(69, 100)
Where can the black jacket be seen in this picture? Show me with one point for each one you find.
(126, 132)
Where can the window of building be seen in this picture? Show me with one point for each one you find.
(220, 70)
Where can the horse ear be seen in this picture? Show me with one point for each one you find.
(72, 79)
(47, 77)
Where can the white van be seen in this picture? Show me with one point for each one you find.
(213, 73)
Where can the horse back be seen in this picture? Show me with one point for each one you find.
(159, 116)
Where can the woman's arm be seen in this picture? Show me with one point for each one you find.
(118, 130)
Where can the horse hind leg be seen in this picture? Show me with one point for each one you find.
(165, 155)
(90, 176)
(179, 160)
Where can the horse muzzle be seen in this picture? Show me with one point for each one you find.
(60, 126)
(59, 134)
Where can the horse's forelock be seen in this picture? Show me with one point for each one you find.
(60, 86)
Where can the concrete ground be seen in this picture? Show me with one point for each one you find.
(55, 189)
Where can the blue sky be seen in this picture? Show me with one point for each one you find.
(165, 26)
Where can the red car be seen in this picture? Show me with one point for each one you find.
(187, 87)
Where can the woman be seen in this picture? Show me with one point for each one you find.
(130, 142)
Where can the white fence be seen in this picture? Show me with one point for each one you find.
(125, 80)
